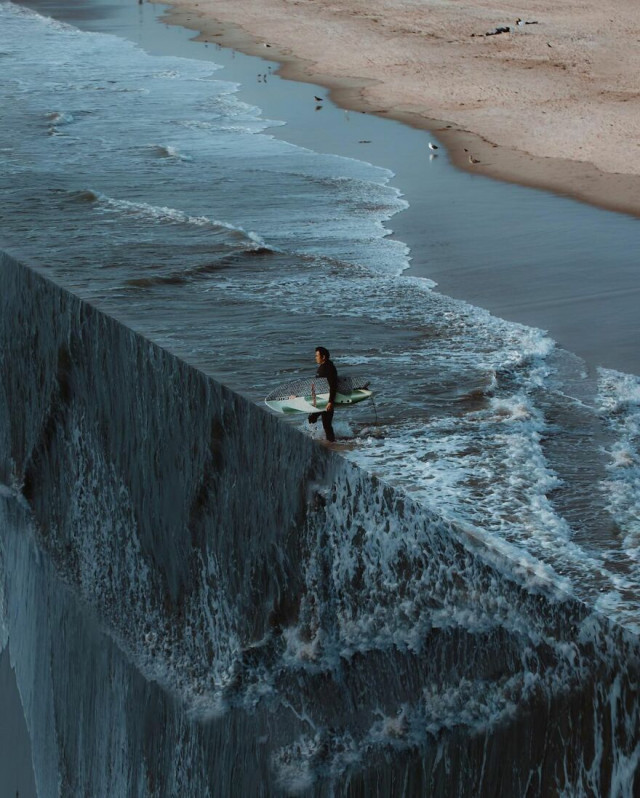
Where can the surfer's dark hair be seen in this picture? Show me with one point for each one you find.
(323, 352)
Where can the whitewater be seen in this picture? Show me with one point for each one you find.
(230, 606)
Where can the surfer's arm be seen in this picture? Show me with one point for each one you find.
(331, 375)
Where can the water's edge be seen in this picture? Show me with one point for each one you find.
(232, 608)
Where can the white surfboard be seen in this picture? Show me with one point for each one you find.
(312, 395)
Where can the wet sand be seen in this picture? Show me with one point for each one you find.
(552, 103)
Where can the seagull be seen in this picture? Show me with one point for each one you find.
(473, 160)
(317, 99)
(433, 147)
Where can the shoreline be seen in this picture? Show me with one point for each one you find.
(576, 179)
(527, 256)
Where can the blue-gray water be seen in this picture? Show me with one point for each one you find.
(198, 597)
(201, 601)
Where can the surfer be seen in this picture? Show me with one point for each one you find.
(327, 370)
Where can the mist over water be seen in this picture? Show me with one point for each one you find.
(465, 561)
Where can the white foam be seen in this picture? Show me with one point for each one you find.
(172, 215)
(171, 152)
(619, 405)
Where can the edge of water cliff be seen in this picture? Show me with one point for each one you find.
(324, 626)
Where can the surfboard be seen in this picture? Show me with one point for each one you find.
(312, 394)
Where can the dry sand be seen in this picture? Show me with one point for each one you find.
(554, 103)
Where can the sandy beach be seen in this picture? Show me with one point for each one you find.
(552, 102)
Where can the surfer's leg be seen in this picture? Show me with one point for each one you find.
(313, 418)
(327, 419)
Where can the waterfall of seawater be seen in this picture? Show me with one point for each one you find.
(200, 600)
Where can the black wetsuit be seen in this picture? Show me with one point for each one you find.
(330, 373)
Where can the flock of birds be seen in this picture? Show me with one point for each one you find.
(434, 148)
(434, 152)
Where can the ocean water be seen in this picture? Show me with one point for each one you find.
(486, 508)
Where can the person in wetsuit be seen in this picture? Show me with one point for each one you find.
(327, 370)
